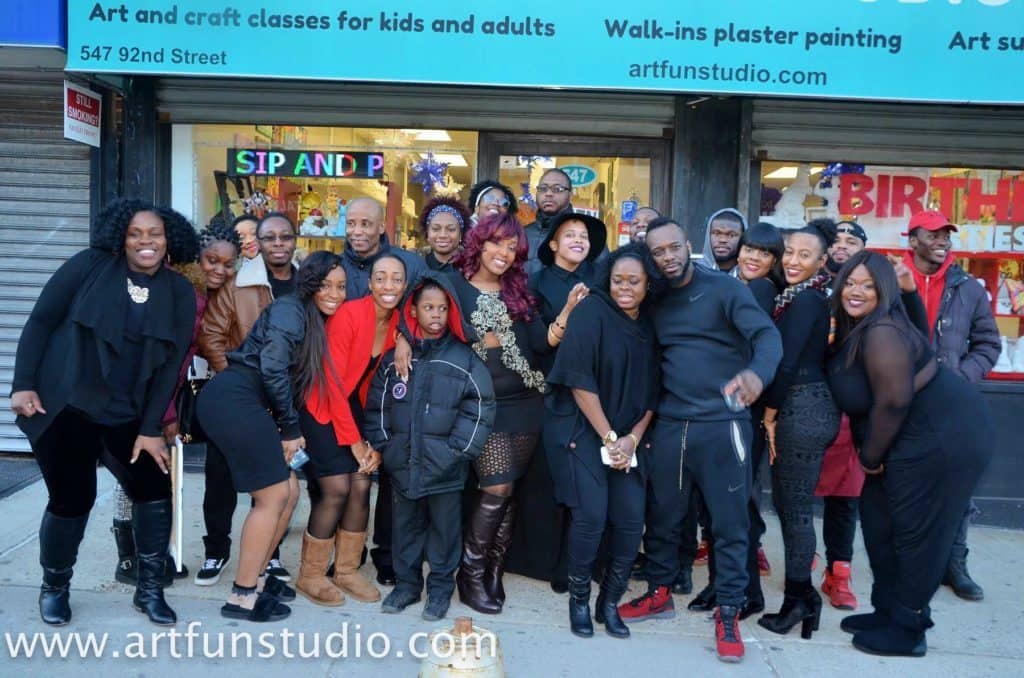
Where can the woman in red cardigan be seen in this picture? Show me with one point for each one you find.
(357, 336)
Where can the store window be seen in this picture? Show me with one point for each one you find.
(609, 188)
(987, 206)
(312, 173)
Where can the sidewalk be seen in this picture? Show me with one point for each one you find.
(971, 639)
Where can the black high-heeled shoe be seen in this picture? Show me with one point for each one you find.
(804, 610)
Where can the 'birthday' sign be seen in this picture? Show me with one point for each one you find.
(271, 162)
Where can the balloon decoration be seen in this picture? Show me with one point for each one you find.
(429, 173)
(835, 169)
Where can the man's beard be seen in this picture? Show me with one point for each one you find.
(677, 280)
(833, 266)
(727, 258)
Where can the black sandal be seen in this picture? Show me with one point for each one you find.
(267, 609)
(276, 587)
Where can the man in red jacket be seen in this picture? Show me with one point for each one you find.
(963, 333)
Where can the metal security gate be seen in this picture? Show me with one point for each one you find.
(44, 211)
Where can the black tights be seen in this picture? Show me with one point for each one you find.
(343, 501)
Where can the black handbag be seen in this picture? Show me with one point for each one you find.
(188, 422)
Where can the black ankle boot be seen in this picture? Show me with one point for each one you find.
(705, 600)
(127, 571)
(959, 578)
(152, 523)
(613, 587)
(683, 584)
(804, 609)
(903, 636)
(579, 606)
(855, 623)
(58, 550)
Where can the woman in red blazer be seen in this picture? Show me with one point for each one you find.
(357, 336)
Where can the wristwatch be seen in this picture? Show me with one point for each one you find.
(609, 438)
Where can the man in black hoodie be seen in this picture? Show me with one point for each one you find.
(719, 350)
(365, 241)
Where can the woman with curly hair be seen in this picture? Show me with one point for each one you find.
(250, 411)
(606, 380)
(96, 366)
(493, 292)
(218, 252)
(443, 221)
(489, 197)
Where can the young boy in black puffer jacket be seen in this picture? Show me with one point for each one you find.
(428, 430)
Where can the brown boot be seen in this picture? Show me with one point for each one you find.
(480, 533)
(311, 582)
(348, 549)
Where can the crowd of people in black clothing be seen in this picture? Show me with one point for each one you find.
(527, 401)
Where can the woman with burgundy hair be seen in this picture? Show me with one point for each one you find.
(491, 284)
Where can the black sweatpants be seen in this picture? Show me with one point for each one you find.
(428, 529)
(67, 453)
(618, 502)
(839, 528)
(713, 456)
(382, 523)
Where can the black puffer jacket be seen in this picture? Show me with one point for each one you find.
(429, 429)
(272, 348)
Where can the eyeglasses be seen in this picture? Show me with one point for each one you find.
(500, 202)
(271, 239)
(552, 188)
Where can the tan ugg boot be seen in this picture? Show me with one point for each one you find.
(312, 583)
(347, 551)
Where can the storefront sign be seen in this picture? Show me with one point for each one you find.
(271, 162)
(82, 110)
(904, 50)
(580, 175)
(986, 205)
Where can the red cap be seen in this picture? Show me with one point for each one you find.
(929, 220)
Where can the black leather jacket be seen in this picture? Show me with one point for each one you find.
(271, 348)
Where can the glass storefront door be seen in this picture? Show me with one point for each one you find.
(611, 177)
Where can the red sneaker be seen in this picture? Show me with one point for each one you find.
(729, 645)
(656, 604)
(702, 554)
(836, 586)
(762, 564)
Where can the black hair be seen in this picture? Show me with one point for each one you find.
(481, 187)
(218, 232)
(391, 255)
(767, 238)
(827, 226)
(889, 309)
(111, 224)
(649, 209)
(275, 215)
(816, 231)
(665, 221)
(555, 170)
(312, 352)
(438, 201)
(239, 219)
(182, 239)
(428, 284)
(639, 252)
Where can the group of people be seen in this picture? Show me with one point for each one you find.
(528, 401)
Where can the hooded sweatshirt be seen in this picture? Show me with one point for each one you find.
(709, 257)
(357, 268)
(930, 287)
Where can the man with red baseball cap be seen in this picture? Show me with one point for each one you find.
(963, 333)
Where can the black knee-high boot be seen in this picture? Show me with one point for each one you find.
(579, 605)
(127, 570)
(152, 523)
(479, 538)
(58, 550)
(613, 586)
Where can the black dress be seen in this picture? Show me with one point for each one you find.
(517, 389)
(934, 433)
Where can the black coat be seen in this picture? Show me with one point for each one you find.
(272, 348)
(357, 268)
(76, 329)
(429, 429)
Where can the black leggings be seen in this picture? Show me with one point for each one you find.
(840, 528)
(807, 423)
(67, 453)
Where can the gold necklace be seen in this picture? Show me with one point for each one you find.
(136, 293)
